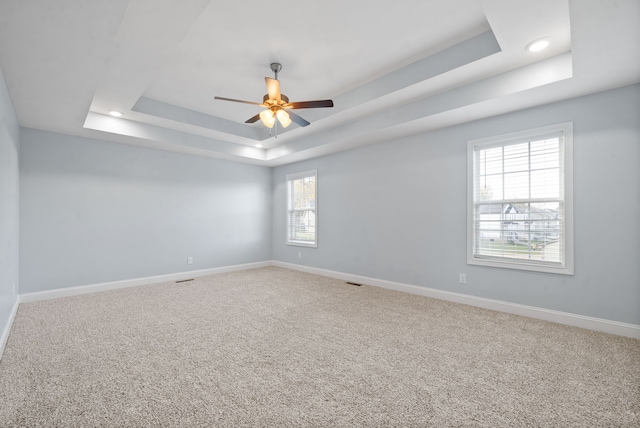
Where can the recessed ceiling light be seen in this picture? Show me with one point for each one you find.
(538, 45)
(258, 145)
(115, 113)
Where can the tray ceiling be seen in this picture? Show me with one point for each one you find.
(392, 68)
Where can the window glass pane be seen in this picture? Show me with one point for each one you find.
(545, 221)
(304, 191)
(545, 154)
(491, 161)
(303, 226)
(516, 185)
(490, 188)
(545, 183)
(516, 158)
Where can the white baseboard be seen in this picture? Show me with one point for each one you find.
(4, 336)
(85, 289)
(591, 323)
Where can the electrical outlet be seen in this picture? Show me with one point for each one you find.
(189, 260)
(299, 254)
(463, 278)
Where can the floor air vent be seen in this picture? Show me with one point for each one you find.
(354, 283)
(184, 280)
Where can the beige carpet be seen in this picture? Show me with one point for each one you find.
(272, 347)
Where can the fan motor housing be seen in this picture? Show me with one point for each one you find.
(283, 97)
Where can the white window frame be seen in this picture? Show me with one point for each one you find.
(566, 266)
(297, 176)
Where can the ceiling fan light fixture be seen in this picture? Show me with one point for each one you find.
(268, 118)
(275, 103)
(283, 118)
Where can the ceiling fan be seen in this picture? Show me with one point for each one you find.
(277, 104)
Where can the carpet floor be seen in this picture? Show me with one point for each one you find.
(272, 347)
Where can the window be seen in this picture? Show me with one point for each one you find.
(520, 200)
(302, 208)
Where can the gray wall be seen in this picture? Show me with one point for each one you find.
(397, 211)
(93, 211)
(9, 146)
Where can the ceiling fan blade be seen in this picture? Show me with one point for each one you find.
(236, 101)
(273, 88)
(253, 119)
(310, 104)
(298, 120)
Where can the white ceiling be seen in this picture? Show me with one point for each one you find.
(392, 68)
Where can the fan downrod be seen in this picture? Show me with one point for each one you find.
(276, 67)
